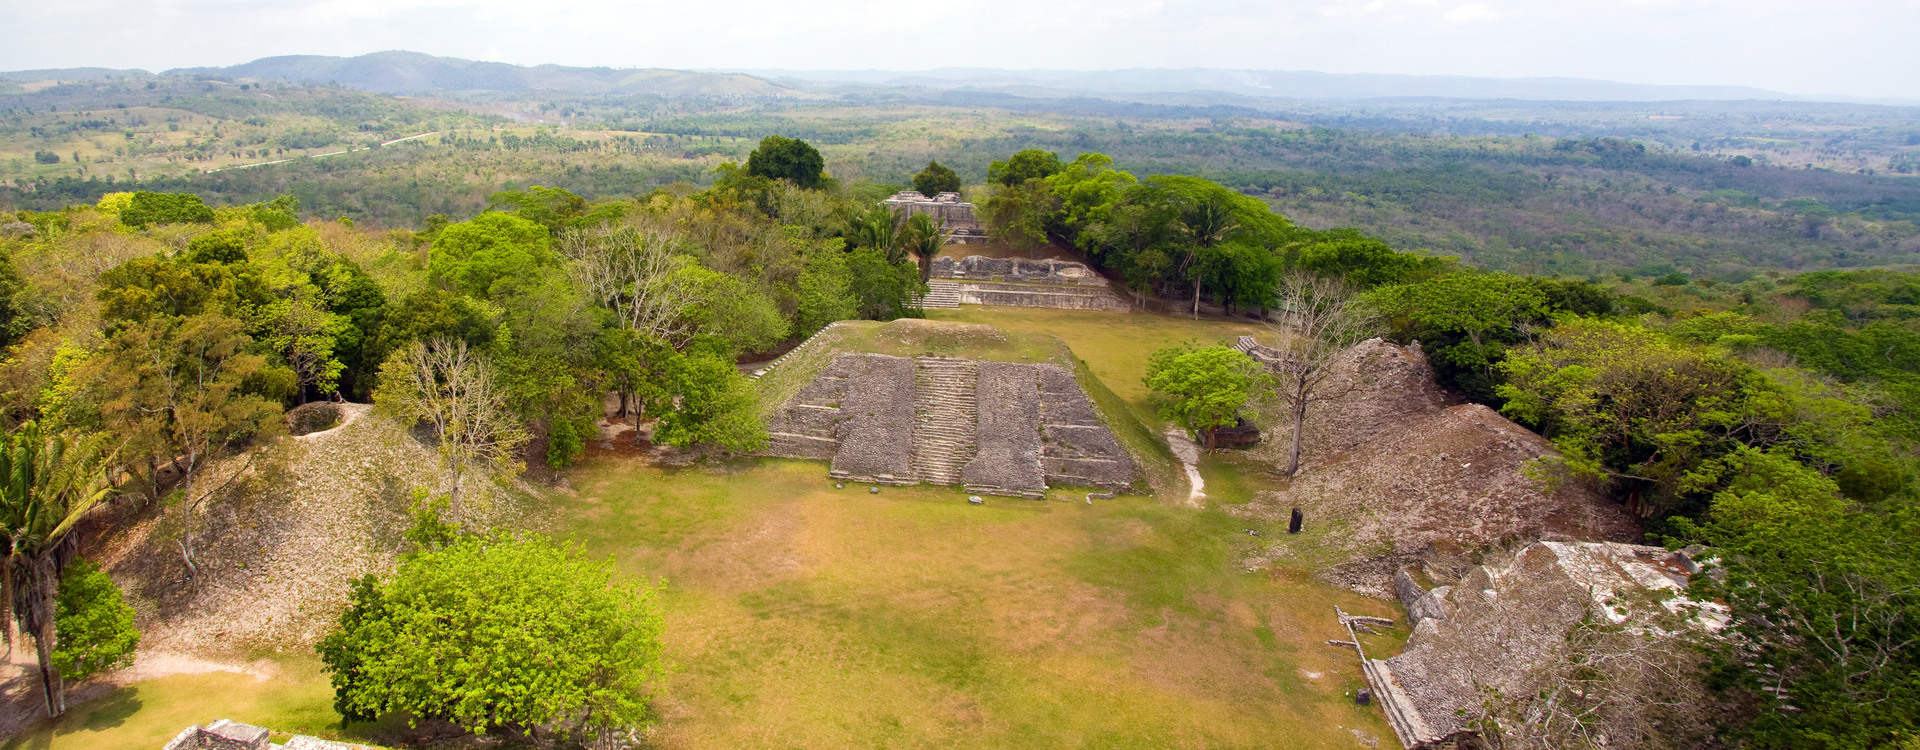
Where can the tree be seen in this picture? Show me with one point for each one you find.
(490, 256)
(637, 274)
(454, 391)
(789, 159)
(1030, 164)
(1467, 322)
(1321, 318)
(93, 623)
(708, 401)
(936, 179)
(884, 288)
(48, 482)
(878, 228)
(1018, 214)
(178, 392)
(924, 238)
(825, 289)
(1206, 224)
(553, 208)
(496, 634)
(145, 209)
(1205, 387)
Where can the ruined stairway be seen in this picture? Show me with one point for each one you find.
(941, 295)
(945, 416)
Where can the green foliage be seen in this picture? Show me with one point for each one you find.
(149, 208)
(1031, 164)
(1823, 604)
(94, 623)
(732, 312)
(1465, 322)
(217, 247)
(883, 289)
(281, 213)
(1365, 262)
(430, 529)
(789, 159)
(17, 316)
(499, 634)
(567, 440)
(1204, 387)
(715, 403)
(826, 291)
(936, 179)
(492, 255)
(1626, 404)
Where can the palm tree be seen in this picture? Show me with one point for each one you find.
(925, 238)
(1206, 225)
(877, 228)
(47, 484)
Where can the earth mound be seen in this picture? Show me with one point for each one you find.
(1399, 469)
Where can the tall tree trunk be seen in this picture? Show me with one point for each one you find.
(45, 583)
(453, 497)
(1196, 299)
(7, 591)
(1299, 424)
(926, 268)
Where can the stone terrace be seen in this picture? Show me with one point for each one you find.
(994, 427)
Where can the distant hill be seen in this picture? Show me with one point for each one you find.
(1287, 84)
(412, 72)
(70, 74)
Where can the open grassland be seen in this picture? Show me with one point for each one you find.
(144, 716)
(804, 616)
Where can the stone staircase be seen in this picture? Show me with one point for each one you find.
(941, 295)
(945, 417)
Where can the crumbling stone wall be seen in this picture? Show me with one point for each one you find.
(1022, 270)
(1008, 461)
(1496, 624)
(955, 215)
(1079, 449)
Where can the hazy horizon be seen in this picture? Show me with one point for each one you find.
(1853, 48)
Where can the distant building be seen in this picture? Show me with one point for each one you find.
(955, 215)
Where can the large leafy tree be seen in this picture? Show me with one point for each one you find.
(790, 159)
(1204, 388)
(937, 178)
(145, 209)
(1031, 164)
(496, 634)
(493, 255)
(1466, 321)
(48, 482)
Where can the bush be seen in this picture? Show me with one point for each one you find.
(499, 634)
(94, 625)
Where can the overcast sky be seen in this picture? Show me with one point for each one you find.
(1867, 48)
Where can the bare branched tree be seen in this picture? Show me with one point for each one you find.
(456, 393)
(1320, 318)
(633, 271)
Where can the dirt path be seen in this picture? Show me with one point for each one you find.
(1189, 455)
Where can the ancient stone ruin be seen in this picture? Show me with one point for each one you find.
(955, 215)
(999, 428)
(1496, 626)
(230, 735)
(1020, 282)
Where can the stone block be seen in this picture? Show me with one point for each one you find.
(1008, 457)
(876, 425)
(230, 735)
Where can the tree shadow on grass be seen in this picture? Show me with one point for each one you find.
(101, 713)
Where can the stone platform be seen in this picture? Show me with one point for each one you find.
(1000, 428)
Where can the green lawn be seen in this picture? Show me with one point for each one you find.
(806, 616)
(146, 715)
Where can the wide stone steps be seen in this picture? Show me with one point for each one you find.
(941, 295)
(945, 417)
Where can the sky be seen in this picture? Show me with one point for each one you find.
(1856, 48)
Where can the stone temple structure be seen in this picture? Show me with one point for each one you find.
(954, 214)
(1000, 428)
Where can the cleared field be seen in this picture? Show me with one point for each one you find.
(806, 616)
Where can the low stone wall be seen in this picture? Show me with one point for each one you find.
(1036, 295)
(982, 268)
